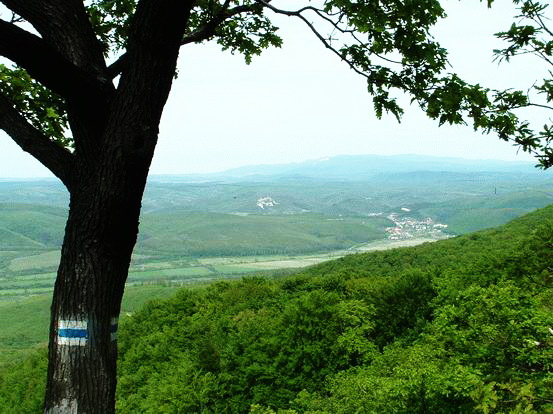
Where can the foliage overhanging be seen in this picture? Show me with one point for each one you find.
(389, 42)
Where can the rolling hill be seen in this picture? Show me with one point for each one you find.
(313, 208)
(459, 325)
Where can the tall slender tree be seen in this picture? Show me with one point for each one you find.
(84, 91)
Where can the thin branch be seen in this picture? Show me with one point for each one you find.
(51, 155)
(543, 26)
(117, 67)
(208, 30)
(510, 108)
(540, 106)
(297, 13)
(16, 19)
(325, 16)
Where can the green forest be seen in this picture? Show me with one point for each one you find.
(461, 325)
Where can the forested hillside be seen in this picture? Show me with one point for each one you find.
(194, 227)
(458, 326)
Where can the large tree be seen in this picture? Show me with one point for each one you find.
(83, 90)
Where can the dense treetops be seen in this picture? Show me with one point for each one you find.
(461, 325)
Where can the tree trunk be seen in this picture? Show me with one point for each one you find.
(115, 142)
(99, 238)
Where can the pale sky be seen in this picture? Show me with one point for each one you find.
(300, 102)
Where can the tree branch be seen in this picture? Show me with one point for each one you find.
(154, 38)
(46, 65)
(51, 155)
(208, 30)
(543, 25)
(205, 32)
(325, 42)
(117, 67)
(66, 27)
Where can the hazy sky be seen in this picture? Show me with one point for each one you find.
(300, 102)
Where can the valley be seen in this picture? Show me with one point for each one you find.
(374, 253)
(467, 318)
(28, 278)
(262, 219)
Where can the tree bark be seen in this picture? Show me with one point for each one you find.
(100, 234)
(114, 132)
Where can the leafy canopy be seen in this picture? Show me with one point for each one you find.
(389, 42)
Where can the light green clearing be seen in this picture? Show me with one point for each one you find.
(271, 265)
(24, 292)
(37, 261)
(241, 259)
(184, 271)
(41, 276)
(4, 253)
(233, 269)
(34, 276)
(22, 236)
(144, 267)
(26, 284)
(191, 271)
(391, 244)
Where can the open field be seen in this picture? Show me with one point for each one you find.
(391, 244)
(180, 272)
(38, 261)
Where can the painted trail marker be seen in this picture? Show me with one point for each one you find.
(72, 332)
(76, 332)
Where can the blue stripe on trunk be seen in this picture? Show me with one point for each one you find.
(72, 333)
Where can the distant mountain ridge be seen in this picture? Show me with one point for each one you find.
(337, 168)
(359, 167)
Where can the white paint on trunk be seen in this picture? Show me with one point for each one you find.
(65, 406)
(72, 341)
(72, 324)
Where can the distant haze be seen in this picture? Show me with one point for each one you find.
(300, 102)
(351, 167)
(361, 167)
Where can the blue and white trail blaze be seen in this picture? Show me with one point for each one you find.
(72, 332)
(76, 332)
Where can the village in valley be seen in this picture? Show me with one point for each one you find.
(406, 227)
